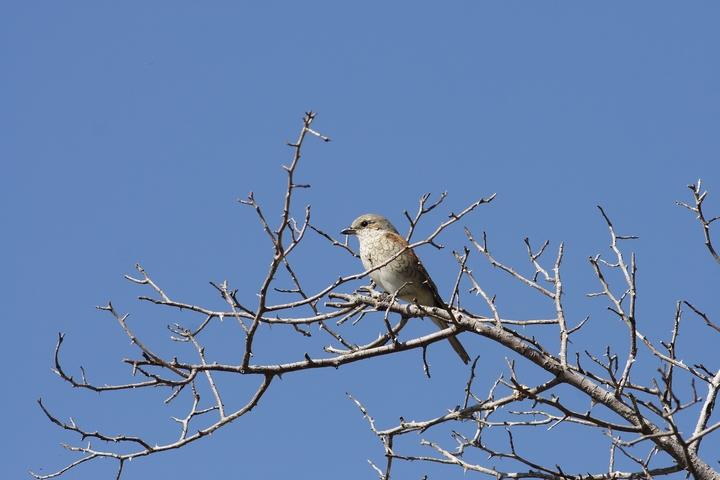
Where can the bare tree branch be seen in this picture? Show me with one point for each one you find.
(699, 199)
(650, 414)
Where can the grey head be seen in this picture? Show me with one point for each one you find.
(369, 221)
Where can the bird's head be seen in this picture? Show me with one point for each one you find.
(369, 221)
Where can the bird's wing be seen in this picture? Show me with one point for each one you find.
(428, 281)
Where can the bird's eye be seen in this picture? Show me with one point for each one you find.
(364, 223)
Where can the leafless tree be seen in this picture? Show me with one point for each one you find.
(634, 415)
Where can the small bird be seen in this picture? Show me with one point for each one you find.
(405, 275)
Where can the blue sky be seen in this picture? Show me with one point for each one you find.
(128, 130)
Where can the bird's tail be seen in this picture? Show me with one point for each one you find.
(456, 345)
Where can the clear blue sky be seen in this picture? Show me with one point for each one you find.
(128, 130)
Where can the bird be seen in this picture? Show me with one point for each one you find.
(405, 276)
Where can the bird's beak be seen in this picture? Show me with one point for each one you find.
(348, 231)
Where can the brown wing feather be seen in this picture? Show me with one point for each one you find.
(442, 324)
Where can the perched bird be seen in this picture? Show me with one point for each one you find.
(405, 275)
